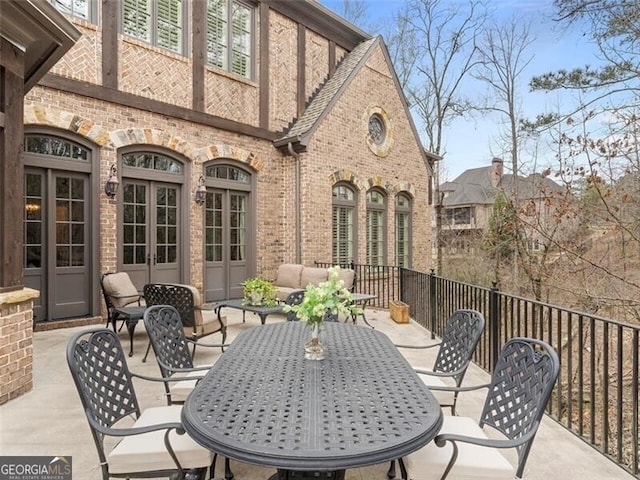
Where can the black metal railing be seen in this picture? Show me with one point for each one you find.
(597, 393)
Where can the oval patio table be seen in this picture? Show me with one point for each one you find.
(264, 403)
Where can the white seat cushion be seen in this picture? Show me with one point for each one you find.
(443, 398)
(181, 390)
(147, 452)
(474, 462)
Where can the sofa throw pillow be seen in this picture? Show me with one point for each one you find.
(120, 289)
(347, 276)
(288, 275)
(313, 276)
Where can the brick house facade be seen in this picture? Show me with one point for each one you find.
(115, 98)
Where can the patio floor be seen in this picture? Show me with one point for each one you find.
(49, 420)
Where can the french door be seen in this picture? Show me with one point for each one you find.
(57, 242)
(226, 248)
(151, 249)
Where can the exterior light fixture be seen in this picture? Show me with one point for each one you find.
(111, 187)
(200, 195)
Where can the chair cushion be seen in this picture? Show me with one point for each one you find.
(181, 390)
(120, 289)
(443, 398)
(147, 452)
(209, 323)
(288, 275)
(347, 276)
(313, 276)
(474, 462)
(283, 292)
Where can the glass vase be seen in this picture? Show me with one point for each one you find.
(313, 349)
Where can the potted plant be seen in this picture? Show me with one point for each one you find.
(258, 291)
(330, 297)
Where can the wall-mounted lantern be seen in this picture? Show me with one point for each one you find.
(200, 195)
(111, 187)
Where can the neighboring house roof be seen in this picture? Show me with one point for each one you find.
(302, 129)
(473, 187)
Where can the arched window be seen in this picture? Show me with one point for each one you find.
(344, 225)
(403, 230)
(376, 227)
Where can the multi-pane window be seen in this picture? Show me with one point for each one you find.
(376, 228)
(230, 36)
(85, 9)
(459, 215)
(403, 231)
(344, 208)
(158, 22)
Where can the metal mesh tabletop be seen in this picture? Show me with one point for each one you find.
(264, 403)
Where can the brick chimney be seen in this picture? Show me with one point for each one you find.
(497, 168)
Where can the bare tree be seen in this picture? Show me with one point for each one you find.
(433, 46)
(504, 53)
(356, 11)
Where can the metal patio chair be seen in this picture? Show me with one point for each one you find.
(461, 336)
(123, 302)
(197, 320)
(294, 298)
(156, 444)
(171, 348)
(521, 385)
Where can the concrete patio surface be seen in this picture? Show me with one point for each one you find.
(49, 420)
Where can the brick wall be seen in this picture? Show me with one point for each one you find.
(16, 343)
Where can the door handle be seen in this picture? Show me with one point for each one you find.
(154, 258)
(148, 259)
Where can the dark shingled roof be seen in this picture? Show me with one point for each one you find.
(473, 187)
(303, 127)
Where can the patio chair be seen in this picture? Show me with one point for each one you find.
(521, 385)
(123, 301)
(294, 298)
(171, 348)
(155, 444)
(461, 336)
(198, 321)
(119, 292)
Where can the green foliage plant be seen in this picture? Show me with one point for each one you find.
(259, 292)
(330, 296)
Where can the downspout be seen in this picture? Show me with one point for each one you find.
(296, 155)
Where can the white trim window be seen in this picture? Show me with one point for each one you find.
(85, 9)
(230, 30)
(157, 22)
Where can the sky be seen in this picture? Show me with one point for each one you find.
(472, 143)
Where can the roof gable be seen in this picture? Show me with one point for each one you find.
(302, 129)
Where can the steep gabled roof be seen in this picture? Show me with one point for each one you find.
(303, 128)
(300, 133)
(473, 187)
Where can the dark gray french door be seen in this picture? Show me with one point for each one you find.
(226, 243)
(151, 248)
(57, 242)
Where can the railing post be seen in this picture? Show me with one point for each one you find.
(433, 302)
(494, 325)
